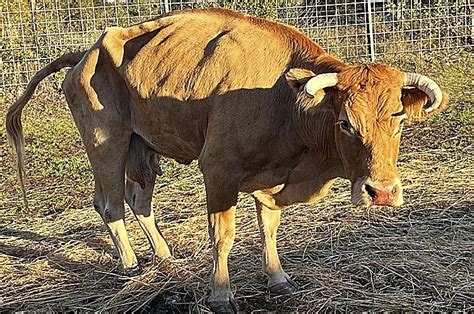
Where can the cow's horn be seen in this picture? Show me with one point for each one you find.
(319, 82)
(426, 85)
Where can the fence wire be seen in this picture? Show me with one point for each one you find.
(35, 32)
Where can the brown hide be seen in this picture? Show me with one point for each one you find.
(211, 83)
(211, 69)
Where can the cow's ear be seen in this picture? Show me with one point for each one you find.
(298, 77)
(414, 102)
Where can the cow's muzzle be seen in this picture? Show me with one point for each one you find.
(366, 192)
(381, 196)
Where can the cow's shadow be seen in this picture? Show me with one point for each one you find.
(314, 263)
(380, 256)
(84, 277)
(37, 246)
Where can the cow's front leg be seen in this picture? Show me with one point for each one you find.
(221, 232)
(221, 200)
(268, 221)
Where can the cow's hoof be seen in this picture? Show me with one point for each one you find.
(162, 253)
(284, 288)
(158, 259)
(132, 271)
(223, 306)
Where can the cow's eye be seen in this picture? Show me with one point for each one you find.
(346, 127)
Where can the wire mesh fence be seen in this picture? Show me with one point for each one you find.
(35, 32)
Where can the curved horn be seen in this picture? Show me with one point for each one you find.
(319, 82)
(426, 85)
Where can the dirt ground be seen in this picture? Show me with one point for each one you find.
(57, 255)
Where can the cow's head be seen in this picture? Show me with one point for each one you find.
(363, 109)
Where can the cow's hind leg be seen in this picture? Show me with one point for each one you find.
(278, 280)
(99, 106)
(108, 164)
(110, 207)
(142, 168)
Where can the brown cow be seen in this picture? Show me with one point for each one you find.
(263, 108)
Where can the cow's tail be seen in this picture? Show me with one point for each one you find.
(13, 118)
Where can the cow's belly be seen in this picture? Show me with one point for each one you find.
(173, 129)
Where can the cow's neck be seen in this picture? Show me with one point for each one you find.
(308, 55)
(316, 129)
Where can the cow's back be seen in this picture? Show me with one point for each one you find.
(194, 54)
(204, 71)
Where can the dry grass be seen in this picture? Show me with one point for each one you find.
(57, 256)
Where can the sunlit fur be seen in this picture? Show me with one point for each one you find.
(369, 98)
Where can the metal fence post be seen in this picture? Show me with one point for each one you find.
(370, 31)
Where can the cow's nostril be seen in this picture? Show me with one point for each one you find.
(371, 191)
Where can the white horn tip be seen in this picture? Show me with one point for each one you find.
(307, 93)
(433, 106)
